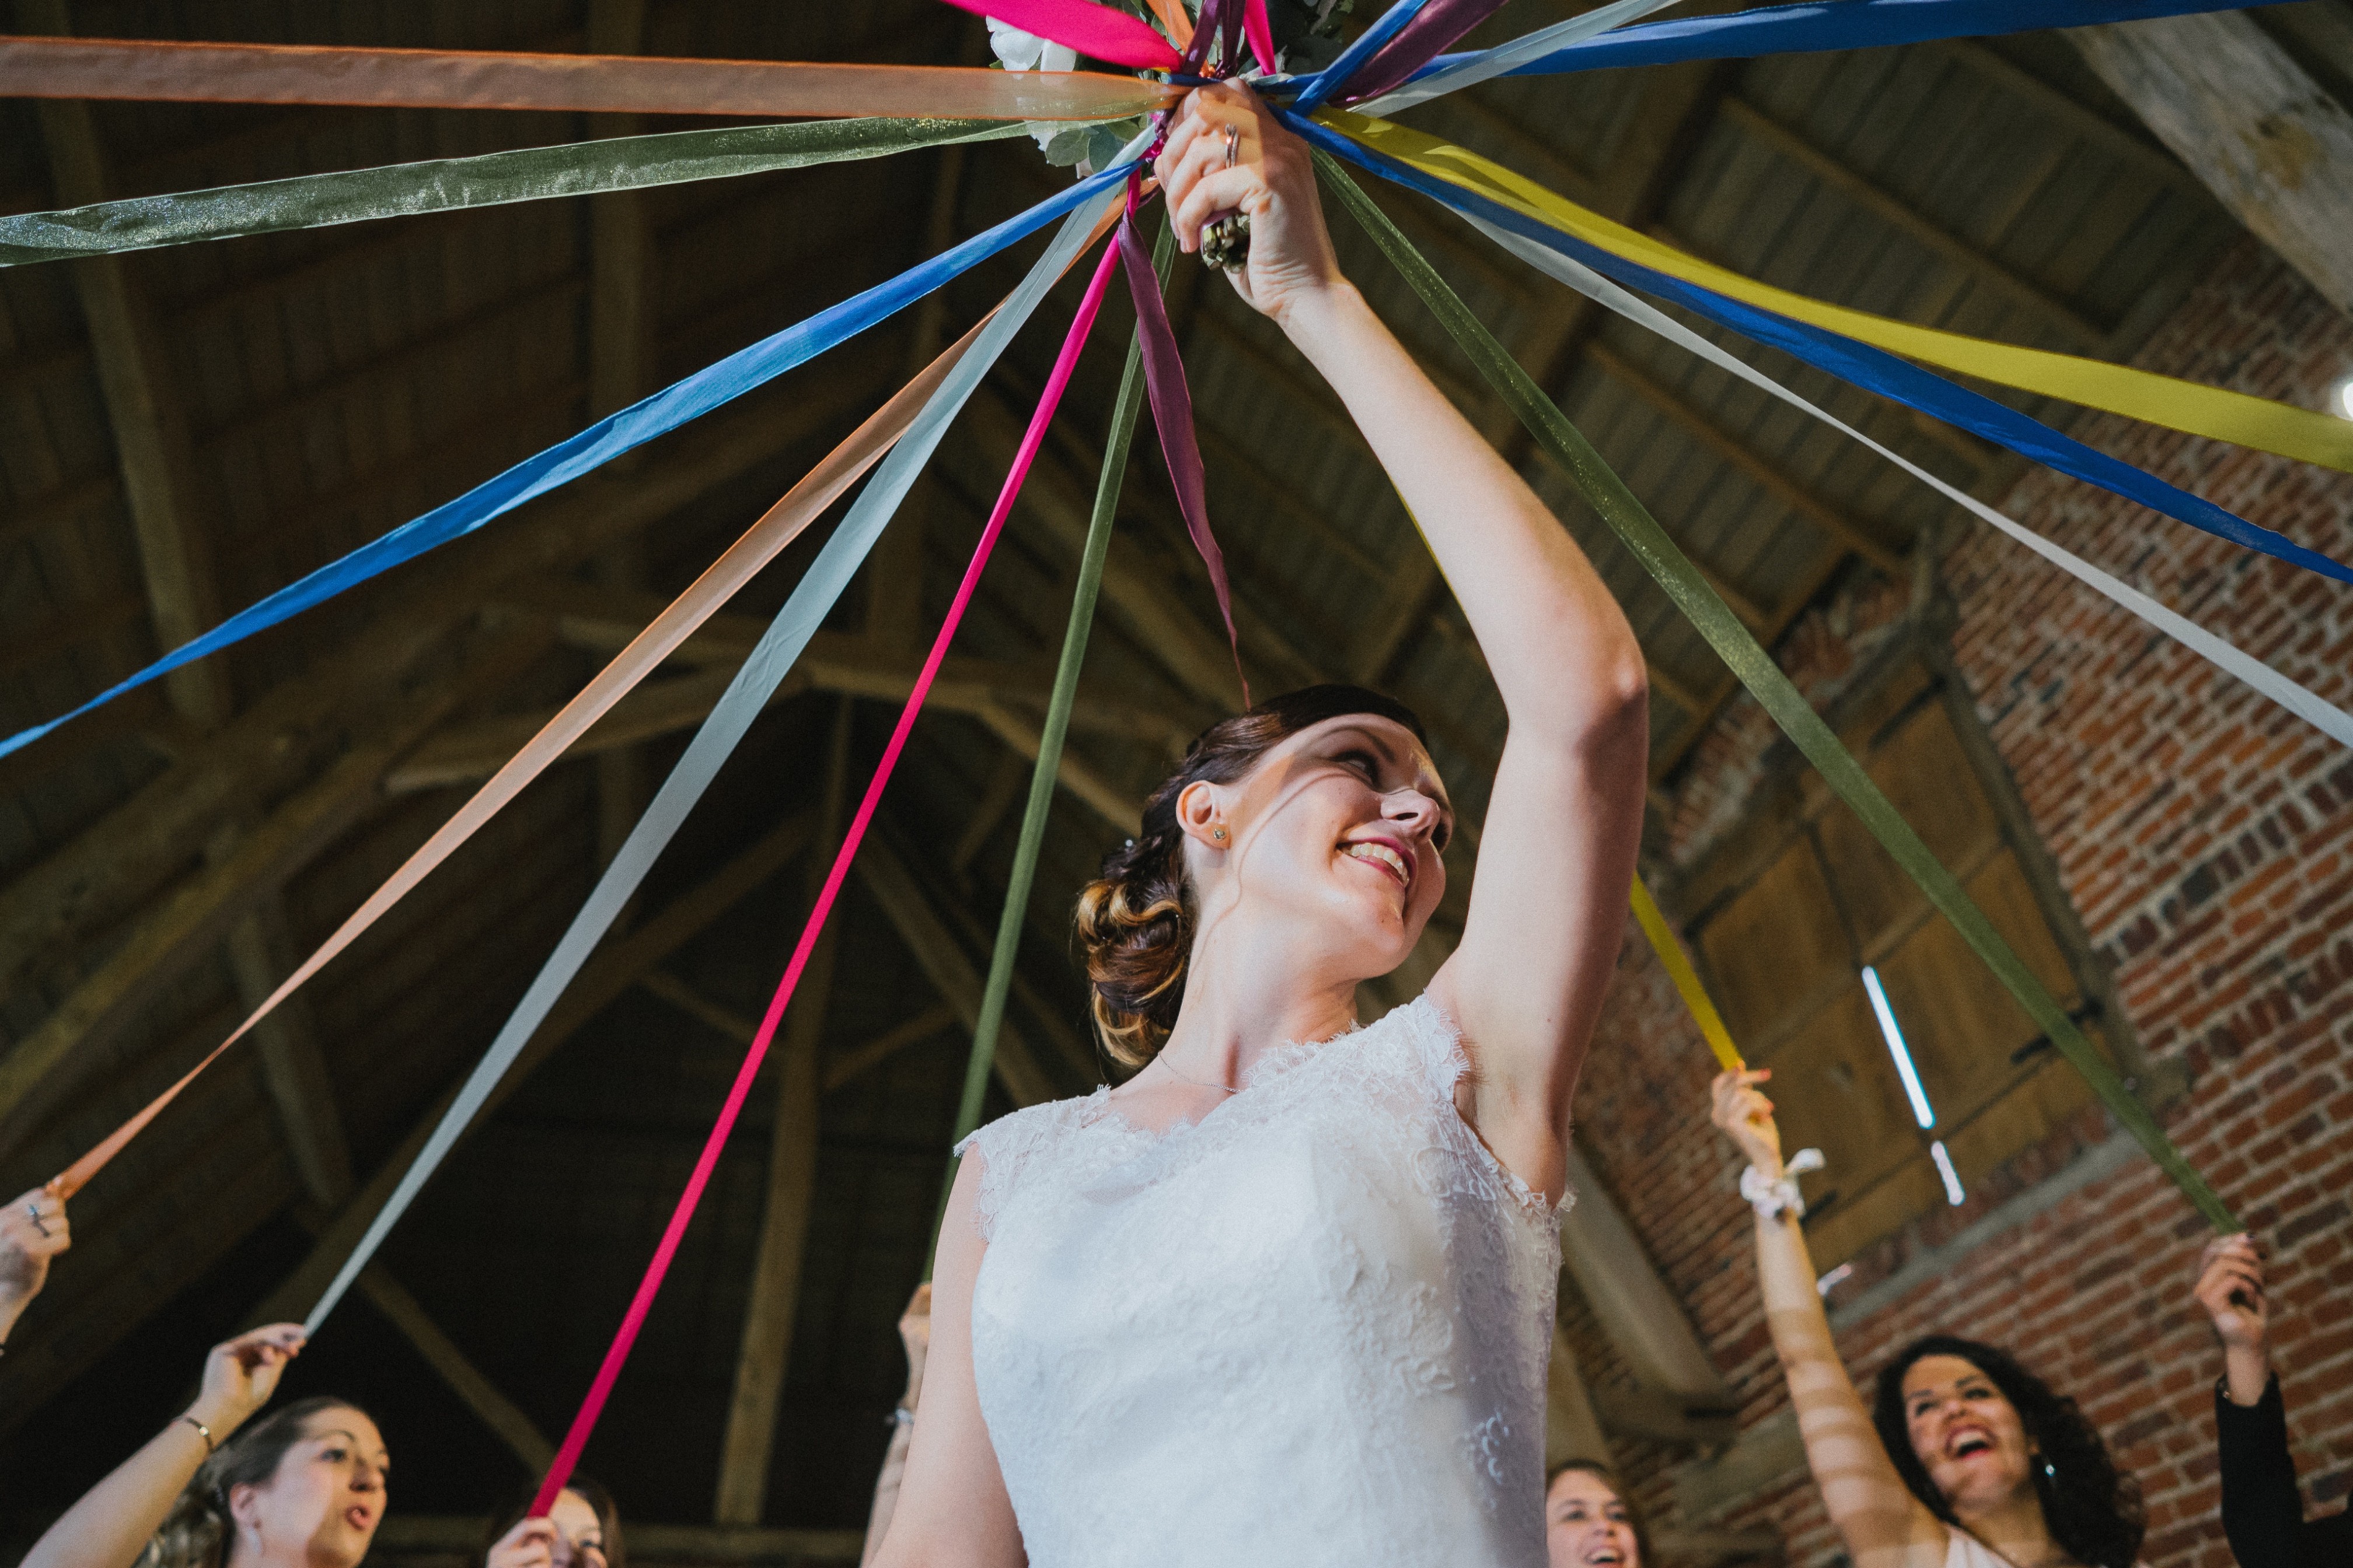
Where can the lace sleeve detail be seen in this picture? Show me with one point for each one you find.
(1007, 1144)
(1442, 1063)
(1438, 1048)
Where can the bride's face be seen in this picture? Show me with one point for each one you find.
(1340, 826)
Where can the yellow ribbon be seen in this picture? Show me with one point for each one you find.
(1679, 970)
(2207, 410)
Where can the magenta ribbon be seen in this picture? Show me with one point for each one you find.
(1096, 31)
(1419, 42)
(1261, 32)
(585, 1420)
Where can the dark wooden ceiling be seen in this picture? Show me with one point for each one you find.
(168, 858)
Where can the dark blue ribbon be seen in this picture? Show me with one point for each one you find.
(569, 458)
(1829, 25)
(1869, 368)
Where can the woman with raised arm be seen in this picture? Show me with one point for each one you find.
(1965, 1460)
(1286, 1294)
(302, 1487)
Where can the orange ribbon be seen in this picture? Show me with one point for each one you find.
(618, 84)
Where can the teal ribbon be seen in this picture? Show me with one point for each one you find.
(1714, 621)
(447, 185)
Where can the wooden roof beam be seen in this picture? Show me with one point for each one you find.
(950, 970)
(1829, 519)
(270, 746)
(765, 1345)
(2143, 156)
(1727, 685)
(2237, 109)
(615, 967)
(863, 1058)
(475, 1390)
(151, 443)
(1907, 220)
(176, 929)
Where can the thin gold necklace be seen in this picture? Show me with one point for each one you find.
(1197, 1083)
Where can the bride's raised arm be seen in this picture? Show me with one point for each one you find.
(1558, 852)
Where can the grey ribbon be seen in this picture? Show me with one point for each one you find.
(745, 695)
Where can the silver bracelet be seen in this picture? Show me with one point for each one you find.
(1772, 1198)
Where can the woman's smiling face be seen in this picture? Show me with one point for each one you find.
(1965, 1432)
(1342, 824)
(1586, 1524)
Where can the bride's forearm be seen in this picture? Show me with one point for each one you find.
(1559, 648)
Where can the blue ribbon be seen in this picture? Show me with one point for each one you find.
(1869, 368)
(569, 458)
(1334, 77)
(1829, 25)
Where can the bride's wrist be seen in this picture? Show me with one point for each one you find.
(1311, 317)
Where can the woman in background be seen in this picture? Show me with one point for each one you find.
(1590, 1522)
(1968, 1459)
(302, 1487)
(581, 1531)
(2262, 1513)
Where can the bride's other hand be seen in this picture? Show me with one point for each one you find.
(1272, 178)
(1745, 1116)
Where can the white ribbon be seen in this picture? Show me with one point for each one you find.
(2301, 701)
(1773, 1197)
(1495, 62)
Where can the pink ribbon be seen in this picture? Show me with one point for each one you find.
(1096, 31)
(617, 1353)
(1261, 34)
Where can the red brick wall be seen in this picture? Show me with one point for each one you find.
(2207, 840)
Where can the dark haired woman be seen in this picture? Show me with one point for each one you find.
(1966, 1460)
(1285, 1296)
(581, 1530)
(302, 1487)
(1590, 1522)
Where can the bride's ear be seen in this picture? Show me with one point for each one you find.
(1201, 815)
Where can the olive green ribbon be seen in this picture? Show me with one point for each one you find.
(1125, 410)
(1755, 670)
(448, 184)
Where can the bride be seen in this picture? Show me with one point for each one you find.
(1287, 1303)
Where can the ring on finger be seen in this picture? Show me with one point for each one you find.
(35, 1214)
(1233, 140)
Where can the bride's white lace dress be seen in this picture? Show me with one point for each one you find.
(1309, 1329)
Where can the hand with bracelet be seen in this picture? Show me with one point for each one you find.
(114, 1521)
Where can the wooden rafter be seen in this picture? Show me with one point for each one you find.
(1900, 214)
(767, 1341)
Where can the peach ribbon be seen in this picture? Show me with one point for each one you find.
(636, 84)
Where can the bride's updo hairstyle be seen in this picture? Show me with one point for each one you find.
(1135, 921)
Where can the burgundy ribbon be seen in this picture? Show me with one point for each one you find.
(1172, 413)
(1419, 42)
